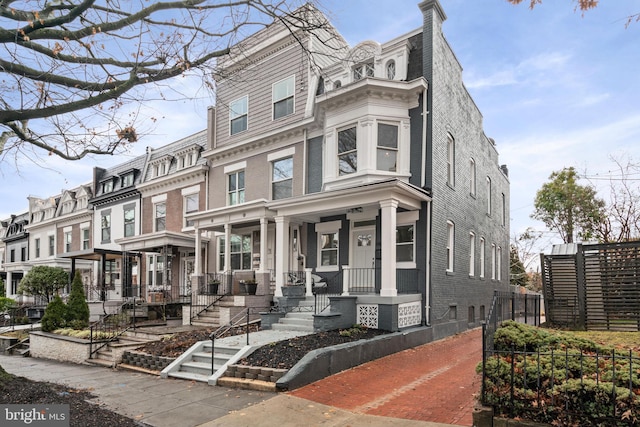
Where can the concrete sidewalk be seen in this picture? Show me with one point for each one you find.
(169, 402)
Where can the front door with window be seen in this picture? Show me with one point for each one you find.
(362, 273)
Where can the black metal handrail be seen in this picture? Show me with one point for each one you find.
(113, 324)
(234, 322)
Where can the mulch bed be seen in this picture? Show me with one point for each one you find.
(19, 390)
(285, 354)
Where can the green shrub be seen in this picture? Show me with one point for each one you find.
(77, 314)
(54, 315)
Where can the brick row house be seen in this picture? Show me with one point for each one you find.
(363, 168)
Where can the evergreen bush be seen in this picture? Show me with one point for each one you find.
(54, 315)
(77, 314)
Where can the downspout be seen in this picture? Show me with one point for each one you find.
(427, 293)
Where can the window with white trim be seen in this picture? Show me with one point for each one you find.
(282, 97)
(191, 204)
(238, 115)
(450, 245)
(52, 245)
(503, 216)
(105, 225)
(347, 151)
(37, 242)
(127, 180)
(239, 250)
(329, 249)
(488, 196)
(482, 244)
(391, 69)
(387, 153)
(405, 237)
(85, 232)
(361, 71)
(160, 216)
(129, 220)
(282, 178)
(450, 160)
(499, 263)
(493, 261)
(472, 253)
(67, 241)
(235, 188)
(472, 177)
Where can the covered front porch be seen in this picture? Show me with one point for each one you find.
(358, 242)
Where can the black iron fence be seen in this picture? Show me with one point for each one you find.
(570, 385)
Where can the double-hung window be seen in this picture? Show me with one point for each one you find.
(160, 216)
(482, 263)
(451, 168)
(488, 196)
(472, 254)
(238, 115)
(67, 241)
(404, 243)
(235, 188)
(347, 151)
(387, 147)
(450, 245)
(282, 178)
(329, 249)
(472, 177)
(85, 238)
(52, 245)
(37, 248)
(282, 97)
(191, 205)
(129, 221)
(493, 261)
(105, 224)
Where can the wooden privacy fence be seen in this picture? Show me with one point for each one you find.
(595, 288)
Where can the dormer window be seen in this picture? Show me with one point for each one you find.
(362, 71)
(107, 186)
(188, 157)
(161, 166)
(67, 207)
(127, 180)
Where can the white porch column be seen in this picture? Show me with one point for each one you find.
(197, 267)
(227, 248)
(282, 252)
(346, 279)
(308, 281)
(7, 285)
(388, 247)
(263, 244)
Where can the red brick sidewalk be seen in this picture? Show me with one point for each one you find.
(434, 382)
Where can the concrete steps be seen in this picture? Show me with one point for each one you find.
(195, 364)
(300, 318)
(110, 355)
(21, 348)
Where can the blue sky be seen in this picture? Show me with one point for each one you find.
(556, 88)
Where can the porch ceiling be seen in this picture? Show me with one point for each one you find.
(313, 206)
(154, 242)
(94, 254)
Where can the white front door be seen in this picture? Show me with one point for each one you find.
(363, 244)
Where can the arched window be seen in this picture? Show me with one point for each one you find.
(391, 69)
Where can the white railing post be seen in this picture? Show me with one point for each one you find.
(346, 276)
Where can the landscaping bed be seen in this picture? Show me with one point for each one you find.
(563, 378)
(19, 390)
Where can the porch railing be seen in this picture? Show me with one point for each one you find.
(111, 326)
(216, 287)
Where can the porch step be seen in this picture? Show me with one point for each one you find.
(197, 365)
(295, 321)
(21, 348)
